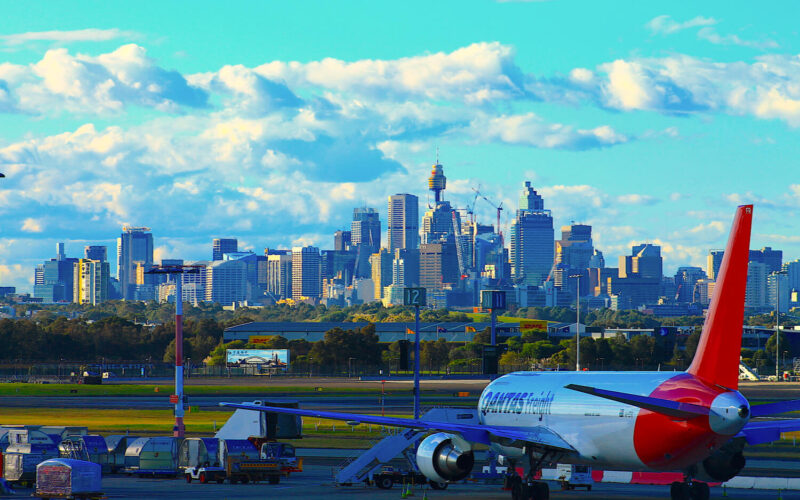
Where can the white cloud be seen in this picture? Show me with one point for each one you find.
(665, 25)
(530, 130)
(636, 199)
(711, 35)
(31, 225)
(84, 35)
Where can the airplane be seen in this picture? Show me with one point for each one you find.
(695, 422)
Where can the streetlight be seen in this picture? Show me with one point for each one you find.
(777, 322)
(578, 323)
(349, 369)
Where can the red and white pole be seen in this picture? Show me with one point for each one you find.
(179, 429)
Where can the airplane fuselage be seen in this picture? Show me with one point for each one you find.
(611, 434)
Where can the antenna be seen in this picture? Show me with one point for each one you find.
(437, 155)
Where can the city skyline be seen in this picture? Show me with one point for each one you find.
(649, 126)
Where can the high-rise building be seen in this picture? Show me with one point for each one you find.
(279, 274)
(221, 246)
(778, 288)
(135, 244)
(226, 282)
(405, 267)
(90, 281)
(403, 224)
(532, 240)
(306, 273)
(773, 259)
(713, 261)
(756, 292)
(645, 262)
(440, 222)
(438, 265)
(366, 238)
(685, 280)
(342, 240)
(96, 252)
(574, 249)
(53, 279)
(597, 260)
(381, 265)
(253, 290)
(792, 270)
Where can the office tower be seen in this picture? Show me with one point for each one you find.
(756, 292)
(226, 282)
(403, 224)
(713, 261)
(640, 275)
(96, 252)
(574, 249)
(279, 274)
(193, 284)
(703, 291)
(440, 222)
(792, 270)
(342, 240)
(53, 279)
(405, 267)
(221, 246)
(597, 260)
(250, 260)
(773, 259)
(338, 265)
(90, 281)
(685, 280)
(778, 283)
(366, 238)
(135, 244)
(532, 240)
(306, 273)
(438, 265)
(381, 265)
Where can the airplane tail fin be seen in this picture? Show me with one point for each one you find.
(717, 358)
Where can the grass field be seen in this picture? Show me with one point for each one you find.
(317, 432)
(16, 389)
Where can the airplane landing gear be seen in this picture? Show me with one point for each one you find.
(690, 490)
(529, 489)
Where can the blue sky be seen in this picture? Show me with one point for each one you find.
(270, 121)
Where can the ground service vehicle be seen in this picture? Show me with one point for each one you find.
(574, 476)
(695, 422)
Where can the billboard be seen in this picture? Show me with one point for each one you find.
(263, 358)
(532, 325)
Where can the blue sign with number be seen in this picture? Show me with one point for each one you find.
(414, 297)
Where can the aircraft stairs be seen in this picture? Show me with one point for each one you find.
(362, 467)
(75, 449)
(745, 373)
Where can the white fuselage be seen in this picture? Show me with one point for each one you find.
(602, 431)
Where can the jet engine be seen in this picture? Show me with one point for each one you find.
(445, 457)
(724, 464)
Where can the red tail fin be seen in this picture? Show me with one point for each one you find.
(717, 358)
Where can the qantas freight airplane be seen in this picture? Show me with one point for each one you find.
(695, 422)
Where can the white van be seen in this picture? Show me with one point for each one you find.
(573, 476)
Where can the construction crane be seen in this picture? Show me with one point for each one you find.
(499, 209)
(471, 206)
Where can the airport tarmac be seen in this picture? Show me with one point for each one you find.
(315, 483)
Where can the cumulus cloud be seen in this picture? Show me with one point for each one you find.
(665, 25)
(31, 225)
(67, 36)
(530, 130)
(636, 199)
(711, 35)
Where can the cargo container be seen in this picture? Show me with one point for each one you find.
(117, 445)
(60, 432)
(88, 447)
(68, 478)
(155, 455)
(198, 452)
(20, 460)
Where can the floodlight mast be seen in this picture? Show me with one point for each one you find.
(179, 429)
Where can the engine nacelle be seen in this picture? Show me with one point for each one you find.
(724, 464)
(445, 457)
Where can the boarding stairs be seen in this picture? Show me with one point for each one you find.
(364, 466)
(745, 373)
(75, 449)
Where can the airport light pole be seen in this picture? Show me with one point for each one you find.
(178, 398)
(578, 323)
(416, 297)
(777, 324)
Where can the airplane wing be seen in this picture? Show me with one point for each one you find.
(477, 433)
(674, 409)
(774, 408)
(766, 431)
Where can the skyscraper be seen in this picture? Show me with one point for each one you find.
(53, 281)
(226, 281)
(366, 238)
(574, 249)
(756, 291)
(279, 274)
(403, 221)
(773, 259)
(532, 239)
(438, 265)
(685, 279)
(342, 240)
(135, 244)
(381, 265)
(306, 273)
(96, 252)
(221, 246)
(90, 282)
(440, 222)
(713, 261)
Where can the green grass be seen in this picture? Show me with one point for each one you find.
(485, 317)
(79, 390)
